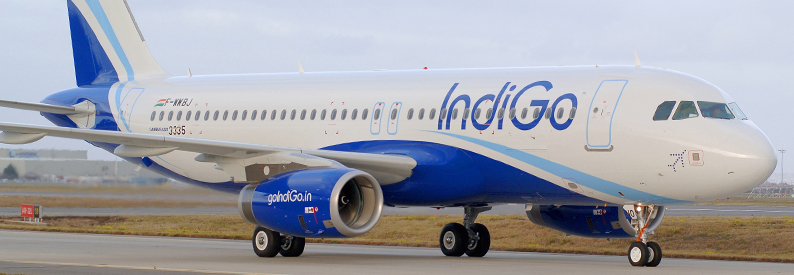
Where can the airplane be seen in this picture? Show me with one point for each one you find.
(593, 151)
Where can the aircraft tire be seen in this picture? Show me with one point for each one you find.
(267, 243)
(453, 240)
(655, 254)
(479, 248)
(638, 254)
(292, 248)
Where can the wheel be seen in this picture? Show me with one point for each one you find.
(453, 240)
(292, 246)
(480, 247)
(267, 243)
(638, 254)
(654, 254)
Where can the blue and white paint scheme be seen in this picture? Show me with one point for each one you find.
(570, 142)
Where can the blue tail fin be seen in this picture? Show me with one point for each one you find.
(107, 44)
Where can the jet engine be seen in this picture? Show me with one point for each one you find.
(591, 221)
(314, 203)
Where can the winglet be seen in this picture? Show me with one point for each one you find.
(637, 63)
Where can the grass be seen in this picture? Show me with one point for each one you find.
(744, 201)
(727, 238)
(100, 202)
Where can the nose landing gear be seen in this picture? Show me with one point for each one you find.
(470, 238)
(642, 252)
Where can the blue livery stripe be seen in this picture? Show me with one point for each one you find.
(562, 171)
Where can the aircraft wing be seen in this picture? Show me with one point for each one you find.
(387, 169)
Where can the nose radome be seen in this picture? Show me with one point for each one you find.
(751, 162)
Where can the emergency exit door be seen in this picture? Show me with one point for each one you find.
(601, 113)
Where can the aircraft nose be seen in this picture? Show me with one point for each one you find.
(751, 161)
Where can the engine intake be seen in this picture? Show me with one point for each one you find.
(315, 203)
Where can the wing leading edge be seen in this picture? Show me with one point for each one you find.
(232, 156)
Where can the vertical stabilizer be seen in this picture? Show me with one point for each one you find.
(107, 44)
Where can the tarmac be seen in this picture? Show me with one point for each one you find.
(27, 252)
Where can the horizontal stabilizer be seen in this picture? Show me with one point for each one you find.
(45, 108)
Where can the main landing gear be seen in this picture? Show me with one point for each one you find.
(470, 238)
(642, 252)
(268, 243)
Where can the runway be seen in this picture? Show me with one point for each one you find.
(67, 253)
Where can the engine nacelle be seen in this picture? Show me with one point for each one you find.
(589, 221)
(314, 203)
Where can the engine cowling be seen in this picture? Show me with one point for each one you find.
(314, 203)
(589, 221)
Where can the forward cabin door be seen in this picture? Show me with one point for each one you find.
(602, 110)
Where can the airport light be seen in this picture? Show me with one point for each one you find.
(781, 164)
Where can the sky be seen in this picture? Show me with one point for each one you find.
(743, 47)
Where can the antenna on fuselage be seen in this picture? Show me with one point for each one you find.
(637, 63)
(189, 73)
(300, 68)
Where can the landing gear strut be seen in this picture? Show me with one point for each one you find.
(470, 238)
(269, 243)
(642, 252)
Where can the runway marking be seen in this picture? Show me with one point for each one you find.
(139, 268)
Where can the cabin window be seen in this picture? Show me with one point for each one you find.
(548, 114)
(273, 115)
(234, 115)
(465, 113)
(206, 115)
(333, 114)
(524, 113)
(245, 115)
(488, 113)
(573, 113)
(225, 114)
(314, 114)
(293, 114)
(283, 114)
(560, 111)
(410, 113)
(198, 115)
(263, 115)
(376, 114)
(322, 115)
(303, 114)
(664, 110)
(454, 114)
(354, 114)
(344, 114)
(432, 114)
(736, 111)
(512, 113)
(154, 113)
(536, 113)
(686, 109)
(170, 115)
(253, 115)
(443, 114)
(421, 114)
(216, 114)
(715, 110)
(501, 113)
(162, 113)
(364, 114)
(179, 116)
(188, 115)
(477, 113)
(393, 114)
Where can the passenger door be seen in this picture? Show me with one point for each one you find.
(375, 118)
(602, 110)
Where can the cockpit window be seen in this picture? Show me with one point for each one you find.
(686, 109)
(715, 110)
(736, 111)
(664, 110)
